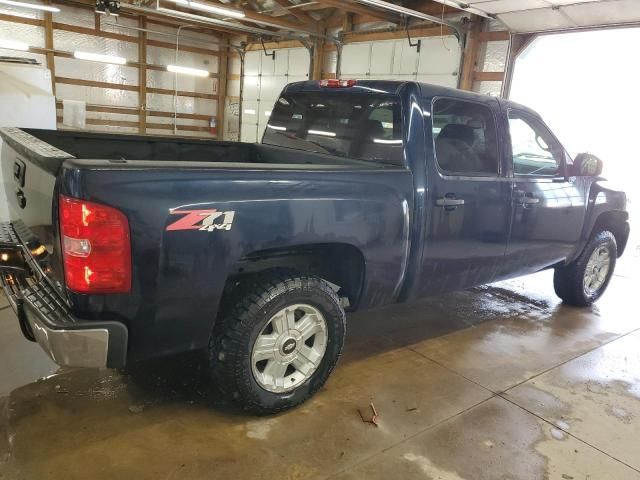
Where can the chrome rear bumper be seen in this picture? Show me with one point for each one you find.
(70, 342)
(45, 318)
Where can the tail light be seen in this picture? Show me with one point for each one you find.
(96, 247)
(336, 83)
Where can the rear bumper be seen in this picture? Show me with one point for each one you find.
(67, 340)
(45, 318)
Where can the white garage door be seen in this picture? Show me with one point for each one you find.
(264, 78)
(438, 61)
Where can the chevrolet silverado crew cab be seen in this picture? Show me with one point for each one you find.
(361, 194)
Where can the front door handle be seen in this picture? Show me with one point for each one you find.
(449, 201)
(525, 199)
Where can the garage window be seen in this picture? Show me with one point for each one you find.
(464, 135)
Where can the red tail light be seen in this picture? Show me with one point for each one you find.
(96, 247)
(337, 83)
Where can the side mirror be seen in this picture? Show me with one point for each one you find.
(586, 165)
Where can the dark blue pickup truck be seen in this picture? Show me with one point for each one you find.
(361, 194)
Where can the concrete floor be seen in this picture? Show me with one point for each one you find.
(498, 382)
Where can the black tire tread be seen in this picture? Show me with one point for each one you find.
(227, 345)
(567, 280)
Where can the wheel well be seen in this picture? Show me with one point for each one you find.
(338, 263)
(616, 223)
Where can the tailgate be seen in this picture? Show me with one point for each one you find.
(29, 169)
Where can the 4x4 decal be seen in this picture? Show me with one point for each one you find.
(203, 220)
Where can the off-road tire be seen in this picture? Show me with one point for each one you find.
(568, 280)
(244, 315)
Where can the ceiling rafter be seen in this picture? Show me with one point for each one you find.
(296, 12)
(359, 9)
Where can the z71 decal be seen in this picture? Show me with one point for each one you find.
(203, 220)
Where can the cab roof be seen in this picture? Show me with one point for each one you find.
(395, 87)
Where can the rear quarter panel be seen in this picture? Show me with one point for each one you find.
(178, 276)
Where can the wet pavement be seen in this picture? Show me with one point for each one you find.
(501, 381)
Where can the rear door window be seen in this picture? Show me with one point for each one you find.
(464, 135)
(360, 126)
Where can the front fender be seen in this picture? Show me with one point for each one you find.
(603, 199)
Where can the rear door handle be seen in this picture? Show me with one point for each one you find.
(449, 201)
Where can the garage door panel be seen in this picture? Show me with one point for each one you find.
(405, 58)
(501, 6)
(250, 112)
(281, 64)
(442, 80)
(249, 133)
(382, 58)
(603, 12)
(251, 87)
(437, 57)
(271, 87)
(252, 62)
(536, 20)
(299, 61)
(264, 111)
(265, 77)
(268, 64)
(297, 78)
(260, 133)
(355, 59)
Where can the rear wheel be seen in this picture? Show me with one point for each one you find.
(585, 280)
(278, 343)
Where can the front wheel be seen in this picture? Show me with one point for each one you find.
(278, 344)
(585, 280)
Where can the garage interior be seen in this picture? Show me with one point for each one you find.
(499, 381)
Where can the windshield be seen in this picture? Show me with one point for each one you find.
(360, 126)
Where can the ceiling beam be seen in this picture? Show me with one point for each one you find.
(431, 8)
(274, 21)
(359, 9)
(338, 18)
(296, 12)
(408, 12)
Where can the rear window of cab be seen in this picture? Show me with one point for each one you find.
(354, 125)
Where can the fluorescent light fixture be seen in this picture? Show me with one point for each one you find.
(322, 133)
(35, 6)
(267, 113)
(387, 142)
(249, 111)
(205, 7)
(11, 45)
(275, 127)
(196, 72)
(97, 57)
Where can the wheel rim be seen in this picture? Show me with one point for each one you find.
(596, 271)
(289, 348)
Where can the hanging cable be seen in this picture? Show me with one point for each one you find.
(442, 30)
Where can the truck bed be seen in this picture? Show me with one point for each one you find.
(129, 148)
(278, 199)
